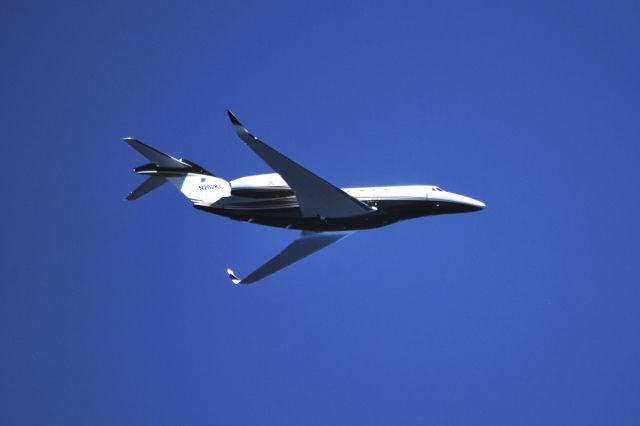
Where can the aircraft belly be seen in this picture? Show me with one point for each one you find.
(284, 212)
(291, 218)
(403, 209)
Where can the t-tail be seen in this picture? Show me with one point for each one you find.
(197, 184)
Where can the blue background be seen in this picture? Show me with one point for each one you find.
(121, 313)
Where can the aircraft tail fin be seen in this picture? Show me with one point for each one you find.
(199, 185)
(155, 156)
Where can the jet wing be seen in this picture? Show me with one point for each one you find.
(306, 244)
(316, 196)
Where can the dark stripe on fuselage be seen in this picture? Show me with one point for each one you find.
(285, 214)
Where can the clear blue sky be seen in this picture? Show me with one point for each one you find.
(121, 313)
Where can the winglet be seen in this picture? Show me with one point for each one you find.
(233, 118)
(232, 275)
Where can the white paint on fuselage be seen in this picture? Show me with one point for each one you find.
(400, 192)
(384, 192)
(413, 192)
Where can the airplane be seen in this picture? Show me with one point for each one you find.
(292, 198)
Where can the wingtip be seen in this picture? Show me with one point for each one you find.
(131, 141)
(234, 278)
(233, 118)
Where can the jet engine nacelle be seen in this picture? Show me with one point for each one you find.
(269, 185)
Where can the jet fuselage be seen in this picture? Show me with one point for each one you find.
(277, 206)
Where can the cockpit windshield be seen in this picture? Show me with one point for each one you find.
(435, 188)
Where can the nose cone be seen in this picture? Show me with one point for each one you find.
(475, 203)
(467, 203)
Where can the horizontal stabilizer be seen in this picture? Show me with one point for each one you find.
(145, 187)
(306, 244)
(155, 156)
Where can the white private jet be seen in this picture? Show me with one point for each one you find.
(293, 198)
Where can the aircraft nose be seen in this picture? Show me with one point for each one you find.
(472, 203)
(458, 202)
(476, 203)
